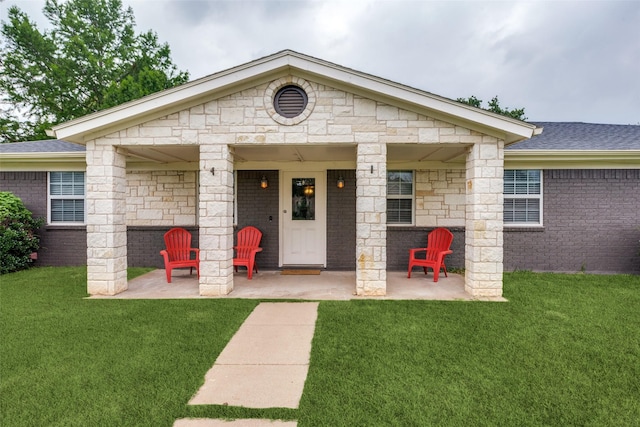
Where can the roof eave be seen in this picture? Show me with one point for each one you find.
(42, 156)
(573, 159)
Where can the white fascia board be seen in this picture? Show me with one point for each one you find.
(572, 159)
(42, 157)
(39, 162)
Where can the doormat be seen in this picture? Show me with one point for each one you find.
(299, 272)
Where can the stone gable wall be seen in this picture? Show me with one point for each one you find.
(245, 117)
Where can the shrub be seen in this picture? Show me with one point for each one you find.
(17, 234)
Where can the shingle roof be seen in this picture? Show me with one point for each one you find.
(582, 136)
(44, 146)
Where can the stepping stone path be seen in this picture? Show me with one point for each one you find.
(264, 365)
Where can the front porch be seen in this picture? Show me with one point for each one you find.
(328, 285)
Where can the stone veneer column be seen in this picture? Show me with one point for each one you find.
(371, 219)
(484, 206)
(106, 183)
(216, 219)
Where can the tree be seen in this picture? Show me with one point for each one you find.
(494, 106)
(90, 60)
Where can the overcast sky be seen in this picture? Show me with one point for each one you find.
(560, 60)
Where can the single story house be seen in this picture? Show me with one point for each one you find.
(339, 169)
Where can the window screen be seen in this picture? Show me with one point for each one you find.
(522, 197)
(400, 197)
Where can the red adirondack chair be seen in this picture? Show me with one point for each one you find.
(246, 249)
(178, 252)
(438, 244)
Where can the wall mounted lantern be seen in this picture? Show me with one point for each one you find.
(340, 183)
(264, 183)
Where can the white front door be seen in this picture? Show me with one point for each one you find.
(303, 205)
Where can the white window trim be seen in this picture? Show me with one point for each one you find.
(412, 196)
(70, 197)
(528, 196)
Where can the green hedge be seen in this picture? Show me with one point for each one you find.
(17, 234)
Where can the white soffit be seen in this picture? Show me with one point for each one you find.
(76, 130)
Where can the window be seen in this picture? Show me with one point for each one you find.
(400, 197)
(522, 197)
(66, 197)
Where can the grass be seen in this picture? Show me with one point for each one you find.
(564, 351)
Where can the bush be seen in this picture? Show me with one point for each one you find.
(17, 234)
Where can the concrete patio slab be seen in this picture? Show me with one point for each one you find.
(209, 422)
(328, 285)
(265, 363)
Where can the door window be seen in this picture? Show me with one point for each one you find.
(303, 193)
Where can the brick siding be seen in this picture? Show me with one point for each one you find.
(591, 220)
(30, 187)
(341, 221)
(59, 245)
(259, 207)
(144, 244)
(401, 239)
(63, 246)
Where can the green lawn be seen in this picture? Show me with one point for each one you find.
(564, 351)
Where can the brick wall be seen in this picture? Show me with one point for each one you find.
(259, 207)
(341, 220)
(59, 245)
(591, 220)
(30, 187)
(401, 239)
(63, 246)
(145, 243)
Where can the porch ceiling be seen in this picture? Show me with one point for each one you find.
(300, 153)
(426, 152)
(295, 153)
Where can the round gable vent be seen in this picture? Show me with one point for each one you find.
(290, 101)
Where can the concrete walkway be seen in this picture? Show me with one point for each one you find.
(264, 365)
